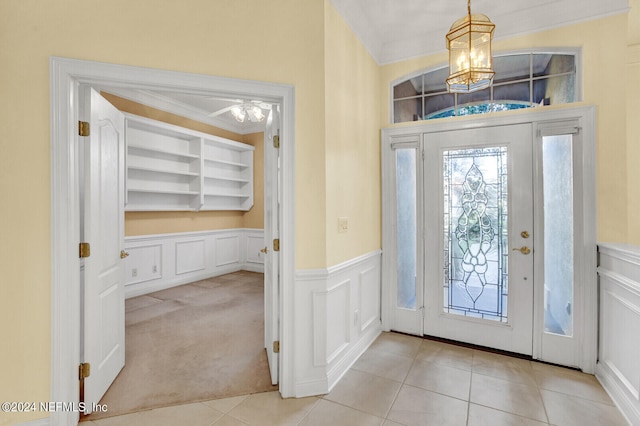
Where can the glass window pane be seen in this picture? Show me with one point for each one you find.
(436, 81)
(552, 64)
(510, 68)
(407, 88)
(407, 110)
(475, 232)
(407, 226)
(438, 103)
(512, 92)
(554, 90)
(558, 234)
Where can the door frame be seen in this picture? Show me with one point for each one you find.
(585, 116)
(66, 77)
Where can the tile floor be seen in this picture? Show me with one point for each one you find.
(403, 380)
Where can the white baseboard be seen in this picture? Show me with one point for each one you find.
(158, 262)
(337, 317)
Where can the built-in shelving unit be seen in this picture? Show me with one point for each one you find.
(170, 168)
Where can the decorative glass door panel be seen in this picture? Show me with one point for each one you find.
(478, 209)
(476, 232)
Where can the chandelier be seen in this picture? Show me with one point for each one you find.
(247, 110)
(470, 61)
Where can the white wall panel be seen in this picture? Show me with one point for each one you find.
(618, 368)
(330, 332)
(190, 256)
(157, 262)
(227, 250)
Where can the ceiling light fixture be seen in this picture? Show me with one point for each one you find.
(252, 112)
(470, 61)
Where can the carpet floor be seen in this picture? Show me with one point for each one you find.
(195, 342)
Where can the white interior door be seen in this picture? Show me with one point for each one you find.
(103, 327)
(271, 233)
(478, 221)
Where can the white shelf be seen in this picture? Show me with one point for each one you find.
(170, 168)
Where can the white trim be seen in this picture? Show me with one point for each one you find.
(66, 76)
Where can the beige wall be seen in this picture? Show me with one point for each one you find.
(603, 44)
(352, 162)
(632, 89)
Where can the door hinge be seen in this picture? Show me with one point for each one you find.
(83, 128)
(85, 250)
(423, 155)
(84, 370)
(276, 141)
(276, 347)
(276, 244)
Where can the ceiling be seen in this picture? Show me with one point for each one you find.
(393, 31)
(396, 30)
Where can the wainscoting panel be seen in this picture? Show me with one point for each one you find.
(157, 262)
(618, 368)
(190, 256)
(255, 258)
(337, 317)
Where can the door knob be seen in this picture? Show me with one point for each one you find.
(264, 250)
(523, 250)
(123, 254)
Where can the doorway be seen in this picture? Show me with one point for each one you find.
(485, 235)
(66, 78)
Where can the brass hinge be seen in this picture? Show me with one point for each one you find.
(276, 244)
(83, 128)
(276, 141)
(84, 370)
(85, 250)
(276, 347)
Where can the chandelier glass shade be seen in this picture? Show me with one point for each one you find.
(470, 60)
(247, 111)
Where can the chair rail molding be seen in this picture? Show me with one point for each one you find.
(619, 347)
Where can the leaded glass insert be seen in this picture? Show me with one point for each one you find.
(475, 232)
(407, 226)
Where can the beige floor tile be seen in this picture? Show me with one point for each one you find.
(365, 392)
(399, 344)
(384, 364)
(485, 416)
(329, 413)
(570, 382)
(441, 379)
(515, 398)
(503, 367)
(197, 413)
(445, 354)
(566, 410)
(225, 405)
(415, 406)
(227, 420)
(124, 420)
(391, 423)
(270, 409)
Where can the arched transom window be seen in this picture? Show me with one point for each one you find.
(522, 80)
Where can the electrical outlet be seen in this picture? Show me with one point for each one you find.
(356, 317)
(343, 224)
(154, 269)
(134, 272)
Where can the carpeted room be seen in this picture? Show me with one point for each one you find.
(193, 342)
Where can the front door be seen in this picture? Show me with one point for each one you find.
(478, 236)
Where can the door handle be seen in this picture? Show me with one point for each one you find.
(523, 250)
(123, 254)
(264, 250)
